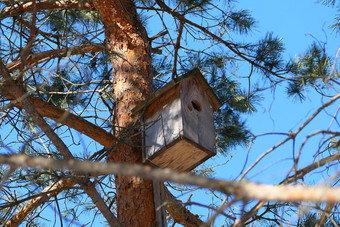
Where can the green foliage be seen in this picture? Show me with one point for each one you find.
(332, 3)
(312, 69)
(312, 218)
(240, 21)
(193, 5)
(268, 53)
(66, 21)
(314, 63)
(309, 219)
(231, 128)
(336, 25)
(295, 89)
(328, 2)
(63, 80)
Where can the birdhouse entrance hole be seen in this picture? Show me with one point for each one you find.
(196, 105)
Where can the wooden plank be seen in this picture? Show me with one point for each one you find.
(158, 190)
(190, 113)
(193, 73)
(172, 121)
(163, 127)
(205, 87)
(161, 101)
(181, 155)
(162, 96)
(153, 135)
(197, 114)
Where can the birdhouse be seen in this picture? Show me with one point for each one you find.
(178, 123)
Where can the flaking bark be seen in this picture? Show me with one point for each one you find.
(130, 53)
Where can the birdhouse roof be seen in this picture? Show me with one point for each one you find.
(196, 73)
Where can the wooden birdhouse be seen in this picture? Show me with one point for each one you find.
(178, 123)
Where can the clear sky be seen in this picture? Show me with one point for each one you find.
(298, 23)
(294, 21)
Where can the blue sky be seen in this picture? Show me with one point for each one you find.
(293, 21)
(298, 23)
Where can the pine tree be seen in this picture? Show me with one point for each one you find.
(72, 72)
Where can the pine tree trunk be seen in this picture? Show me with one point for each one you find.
(130, 53)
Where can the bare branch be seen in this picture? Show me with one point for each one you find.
(62, 148)
(325, 215)
(44, 5)
(293, 134)
(178, 45)
(21, 215)
(179, 213)
(62, 116)
(241, 190)
(298, 175)
(46, 55)
(302, 172)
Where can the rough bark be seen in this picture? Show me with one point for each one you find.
(130, 51)
(179, 213)
(132, 84)
(325, 215)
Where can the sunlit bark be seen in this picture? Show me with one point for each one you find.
(130, 54)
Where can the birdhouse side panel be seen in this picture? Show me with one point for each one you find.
(162, 128)
(197, 113)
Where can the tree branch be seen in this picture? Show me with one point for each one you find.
(175, 208)
(293, 134)
(44, 5)
(178, 45)
(302, 172)
(62, 116)
(298, 175)
(61, 146)
(325, 214)
(232, 47)
(46, 55)
(241, 190)
(179, 213)
(32, 204)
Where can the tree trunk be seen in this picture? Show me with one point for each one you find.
(130, 54)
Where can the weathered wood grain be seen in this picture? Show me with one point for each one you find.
(179, 130)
